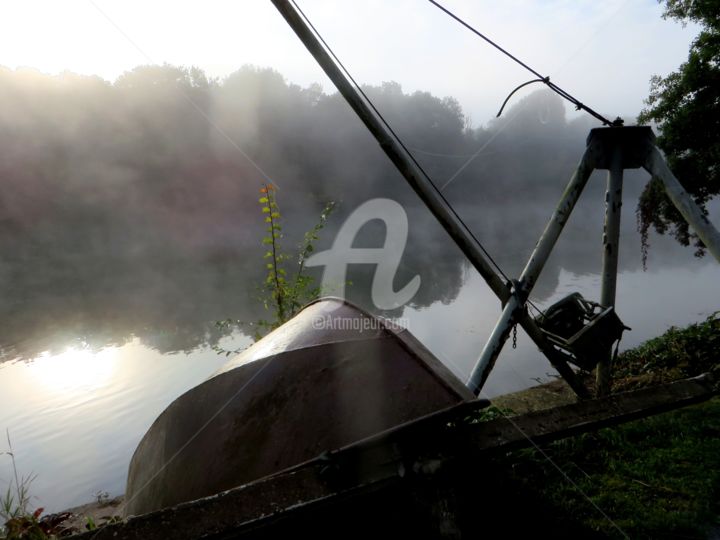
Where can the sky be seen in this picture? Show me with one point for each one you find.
(602, 52)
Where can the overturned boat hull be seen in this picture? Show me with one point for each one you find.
(330, 377)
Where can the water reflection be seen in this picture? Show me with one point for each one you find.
(648, 302)
(75, 418)
(73, 371)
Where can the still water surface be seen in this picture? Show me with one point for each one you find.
(75, 417)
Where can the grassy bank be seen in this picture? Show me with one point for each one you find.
(677, 354)
(653, 478)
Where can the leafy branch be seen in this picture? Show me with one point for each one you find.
(283, 296)
(275, 282)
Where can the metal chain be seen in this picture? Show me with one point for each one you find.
(515, 336)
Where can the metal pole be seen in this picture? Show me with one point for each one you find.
(402, 160)
(655, 164)
(494, 344)
(530, 274)
(420, 184)
(557, 221)
(611, 245)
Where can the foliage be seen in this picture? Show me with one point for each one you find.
(19, 522)
(285, 290)
(487, 414)
(654, 478)
(678, 353)
(276, 279)
(92, 525)
(686, 106)
(34, 527)
(15, 502)
(286, 287)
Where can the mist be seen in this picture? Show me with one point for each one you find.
(129, 209)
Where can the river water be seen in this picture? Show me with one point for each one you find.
(74, 418)
(96, 339)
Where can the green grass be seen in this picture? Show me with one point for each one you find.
(17, 520)
(653, 478)
(15, 500)
(679, 353)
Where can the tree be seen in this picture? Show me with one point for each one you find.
(686, 107)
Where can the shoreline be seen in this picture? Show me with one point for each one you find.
(100, 512)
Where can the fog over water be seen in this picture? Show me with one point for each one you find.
(129, 225)
(129, 211)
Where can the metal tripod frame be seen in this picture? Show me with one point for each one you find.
(514, 295)
(614, 149)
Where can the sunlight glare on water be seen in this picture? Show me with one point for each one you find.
(75, 418)
(74, 370)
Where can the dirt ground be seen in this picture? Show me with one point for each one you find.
(544, 396)
(99, 511)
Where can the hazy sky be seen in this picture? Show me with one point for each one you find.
(603, 52)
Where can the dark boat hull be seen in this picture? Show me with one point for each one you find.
(295, 394)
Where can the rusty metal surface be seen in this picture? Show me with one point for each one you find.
(425, 450)
(315, 390)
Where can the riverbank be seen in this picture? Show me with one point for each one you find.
(654, 478)
(94, 514)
